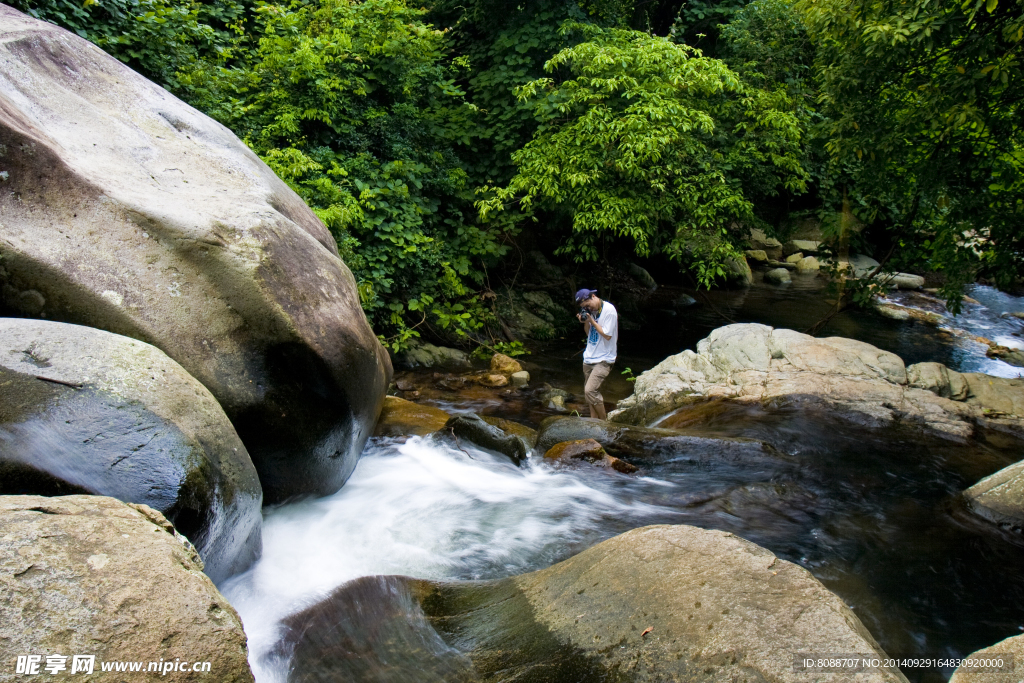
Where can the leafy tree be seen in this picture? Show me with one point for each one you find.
(154, 37)
(925, 106)
(651, 142)
(353, 105)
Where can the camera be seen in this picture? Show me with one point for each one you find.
(582, 314)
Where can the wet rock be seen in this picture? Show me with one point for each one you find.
(938, 379)
(423, 354)
(557, 402)
(801, 246)
(92, 575)
(683, 301)
(474, 429)
(1013, 646)
(511, 427)
(794, 258)
(769, 245)
(1006, 354)
(782, 264)
(891, 311)
(902, 280)
(504, 365)
(807, 264)
(757, 255)
(520, 379)
(1016, 314)
(861, 265)
(661, 603)
(404, 385)
(136, 214)
(492, 380)
(999, 497)
(581, 449)
(852, 379)
(590, 451)
(635, 443)
(778, 276)
(641, 275)
(554, 397)
(737, 272)
(405, 418)
(117, 417)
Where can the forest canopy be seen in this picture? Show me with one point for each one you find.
(435, 140)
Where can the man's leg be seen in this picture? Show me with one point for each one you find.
(595, 375)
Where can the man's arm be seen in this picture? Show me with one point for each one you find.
(592, 321)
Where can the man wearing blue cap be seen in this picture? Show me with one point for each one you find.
(601, 325)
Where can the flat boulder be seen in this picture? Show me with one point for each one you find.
(90, 575)
(999, 497)
(405, 418)
(87, 411)
(429, 356)
(126, 210)
(660, 603)
(851, 379)
(804, 246)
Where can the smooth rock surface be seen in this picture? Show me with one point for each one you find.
(758, 255)
(126, 210)
(429, 356)
(504, 365)
(405, 418)
(756, 363)
(474, 429)
(999, 497)
(590, 451)
(805, 246)
(660, 603)
(520, 379)
(93, 576)
(760, 241)
(133, 425)
(778, 276)
(902, 280)
(737, 272)
(1011, 646)
(808, 264)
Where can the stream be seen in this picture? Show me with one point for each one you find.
(873, 514)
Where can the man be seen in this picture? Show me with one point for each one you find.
(601, 325)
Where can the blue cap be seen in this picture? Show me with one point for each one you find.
(584, 294)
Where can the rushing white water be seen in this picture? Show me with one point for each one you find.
(420, 509)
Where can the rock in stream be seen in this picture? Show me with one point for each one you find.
(126, 210)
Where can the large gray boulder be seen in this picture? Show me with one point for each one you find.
(126, 210)
(855, 380)
(661, 603)
(87, 411)
(89, 575)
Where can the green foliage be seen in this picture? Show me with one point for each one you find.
(354, 106)
(510, 349)
(154, 37)
(924, 100)
(651, 142)
(627, 373)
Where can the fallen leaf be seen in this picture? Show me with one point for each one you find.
(646, 631)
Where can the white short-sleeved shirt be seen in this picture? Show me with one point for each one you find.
(599, 349)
